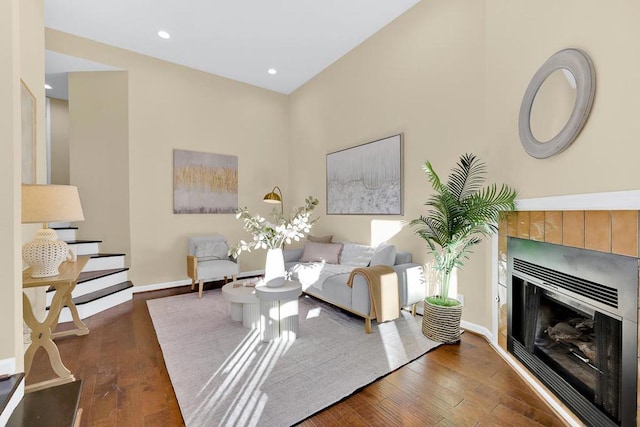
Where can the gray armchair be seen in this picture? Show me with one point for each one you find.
(208, 259)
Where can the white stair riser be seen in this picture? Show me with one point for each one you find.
(94, 285)
(94, 307)
(104, 263)
(67, 234)
(85, 248)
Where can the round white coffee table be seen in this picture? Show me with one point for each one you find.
(245, 306)
(279, 310)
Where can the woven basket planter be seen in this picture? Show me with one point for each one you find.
(441, 324)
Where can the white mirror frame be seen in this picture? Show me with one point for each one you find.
(580, 65)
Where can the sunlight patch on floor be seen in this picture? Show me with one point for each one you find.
(242, 375)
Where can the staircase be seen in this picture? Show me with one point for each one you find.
(103, 282)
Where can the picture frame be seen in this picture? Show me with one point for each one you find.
(366, 179)
(204, 183)
(28, 131)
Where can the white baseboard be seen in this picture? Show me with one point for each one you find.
(477, 329)
(177, 283)
(159, 286)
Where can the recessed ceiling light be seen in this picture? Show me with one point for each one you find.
(272, 71)
(47, 86)
(164, 35)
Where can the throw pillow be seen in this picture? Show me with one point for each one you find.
(356, 255)
(385, 254)
(322, 239)
(321, 252)
(207, 251)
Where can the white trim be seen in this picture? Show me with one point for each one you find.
(542, 391)
(177, 283)
(614, 200)
(12, 403)
(476, 329)
(494, 289)
(159, 286)
(8, 366)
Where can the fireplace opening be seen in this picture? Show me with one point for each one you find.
(572, 322)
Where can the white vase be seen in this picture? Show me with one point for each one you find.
(274, 268)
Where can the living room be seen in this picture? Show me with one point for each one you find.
(449, 75)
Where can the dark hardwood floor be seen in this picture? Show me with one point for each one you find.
(125, 381)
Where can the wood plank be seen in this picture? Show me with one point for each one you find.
(125, 381)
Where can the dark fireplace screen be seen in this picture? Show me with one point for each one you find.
(579, 344)
(573, 322)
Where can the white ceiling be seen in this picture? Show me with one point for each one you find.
(237, 39)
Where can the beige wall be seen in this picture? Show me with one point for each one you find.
(99, 156)
(450, 75)
(173, 107)
(21, 57)
(521, 36)
(422, 75)
(10, 276)
(59, 119)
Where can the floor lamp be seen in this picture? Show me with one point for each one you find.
(272, 197)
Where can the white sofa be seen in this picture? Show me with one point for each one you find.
(324, 276)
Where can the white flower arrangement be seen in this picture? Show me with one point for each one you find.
(272, 235)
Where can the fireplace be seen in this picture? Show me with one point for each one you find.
(573, 322)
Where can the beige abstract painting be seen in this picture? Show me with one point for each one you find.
(204, 183)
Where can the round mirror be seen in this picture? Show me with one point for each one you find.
(557, 103)
(553, 105)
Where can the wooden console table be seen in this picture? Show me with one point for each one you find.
(42, 332)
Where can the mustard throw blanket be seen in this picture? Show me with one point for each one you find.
(383, 291)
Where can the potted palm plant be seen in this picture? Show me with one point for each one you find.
(461, 212)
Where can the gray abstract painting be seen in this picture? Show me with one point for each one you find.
(366, 179)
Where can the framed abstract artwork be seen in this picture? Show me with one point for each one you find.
(204, 182)
(28, 128)
(366, 179)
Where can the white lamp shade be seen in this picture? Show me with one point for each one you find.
(50, 203)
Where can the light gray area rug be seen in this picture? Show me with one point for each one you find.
(223, 374)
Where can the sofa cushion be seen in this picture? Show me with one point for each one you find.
(356, 255)
(385, 254)
(210, 250)
(321, 252)
(321, 239)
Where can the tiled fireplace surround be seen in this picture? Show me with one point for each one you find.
(613, 230)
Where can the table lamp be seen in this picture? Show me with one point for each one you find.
(272, 197)
(44, 204)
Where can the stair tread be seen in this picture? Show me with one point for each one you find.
(76, 242)
(85, 276)
(104, 255)
(58, 405)
(8, 388)
(83, 299)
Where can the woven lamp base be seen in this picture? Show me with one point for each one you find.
(441, 324)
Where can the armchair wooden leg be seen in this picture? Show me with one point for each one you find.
(413, 309)
(193, 283)
(367, 325)
(200, 288)
(234, 278)
(226, 279)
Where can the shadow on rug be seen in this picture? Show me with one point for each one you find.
(223, 374)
